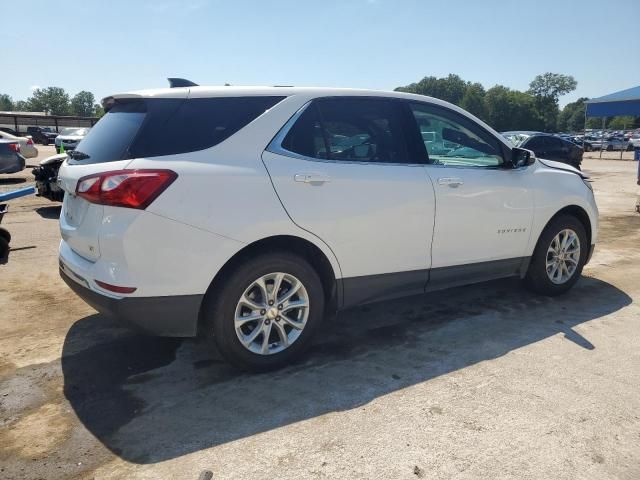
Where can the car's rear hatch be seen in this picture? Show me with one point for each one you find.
(105, 148)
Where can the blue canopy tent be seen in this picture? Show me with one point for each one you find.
(624, 102)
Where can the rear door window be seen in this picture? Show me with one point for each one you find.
(350, 129)
(364, 130)
(168, 126)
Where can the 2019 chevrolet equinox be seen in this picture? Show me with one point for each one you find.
(246, 214)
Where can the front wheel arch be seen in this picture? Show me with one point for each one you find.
(575, 211)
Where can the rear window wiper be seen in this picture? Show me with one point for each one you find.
(76, 155)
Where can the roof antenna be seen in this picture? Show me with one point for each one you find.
(181, 82)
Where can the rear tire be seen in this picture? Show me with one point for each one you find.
(246, 292)
(546, 274)
(4, 249)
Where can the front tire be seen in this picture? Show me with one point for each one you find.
(559, 257)
(265, 312)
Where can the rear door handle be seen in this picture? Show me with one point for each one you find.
(451, 181)
(311, 178)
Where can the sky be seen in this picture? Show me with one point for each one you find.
(120, 45)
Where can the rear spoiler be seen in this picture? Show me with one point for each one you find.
(181, 82)
(108, 102)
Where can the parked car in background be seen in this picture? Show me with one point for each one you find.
(46, 175)
(584, 142)
(611, 143)
(42, 135)
(27, 147)
(634, 140)
(10, 159)
(10, 131)
(547, 146)
(246, 214)
(69, 138)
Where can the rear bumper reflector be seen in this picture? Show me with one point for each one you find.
(115, 288)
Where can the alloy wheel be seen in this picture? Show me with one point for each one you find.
(271, 313)
(563, 256)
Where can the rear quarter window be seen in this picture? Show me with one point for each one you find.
(196, 124)
(167, 126)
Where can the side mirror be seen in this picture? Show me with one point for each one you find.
(521, 157)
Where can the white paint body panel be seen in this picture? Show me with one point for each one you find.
(377, 218)
(474, 218)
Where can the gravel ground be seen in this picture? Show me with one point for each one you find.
(487, 381)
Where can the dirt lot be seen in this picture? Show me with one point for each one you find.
(486, 381)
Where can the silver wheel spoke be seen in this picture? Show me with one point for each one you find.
(249, 339)
(277, 283)
(295, 304)
(284, 338)
(290, 293)
(264, 293)
(241, 320)
(250, 303)
(266, 330)
(295, 324)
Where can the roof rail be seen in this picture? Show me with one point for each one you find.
(181, 82)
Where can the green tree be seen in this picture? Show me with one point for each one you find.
(450, 89)
(98, 110)
(618, 123)
(473, 100)
(22, 106)
(546, 89)
(510, 109)
(571, 118)
(82, 104)
(6, 103)
(552, 85)
(53, 100)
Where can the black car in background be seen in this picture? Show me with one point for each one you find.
(547, 146)
(43, 135)
(10, 159)
(10, 131)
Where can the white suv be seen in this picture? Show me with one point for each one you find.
(248, 214)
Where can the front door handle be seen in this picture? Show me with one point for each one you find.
(453, 182)
(311, 178)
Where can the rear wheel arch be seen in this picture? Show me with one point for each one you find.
(281, 243)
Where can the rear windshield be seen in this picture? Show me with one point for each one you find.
(167, 126)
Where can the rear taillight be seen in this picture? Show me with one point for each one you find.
(29, 141)
(125, 188)
(15, 147)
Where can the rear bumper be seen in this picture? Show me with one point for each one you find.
(172, 316)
